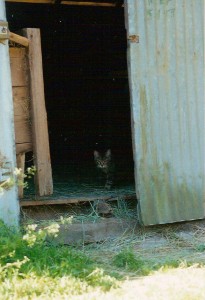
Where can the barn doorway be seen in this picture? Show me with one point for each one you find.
(86, 92)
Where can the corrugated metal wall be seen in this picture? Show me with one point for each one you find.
(166, 70)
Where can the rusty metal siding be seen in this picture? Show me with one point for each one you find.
(166, 73)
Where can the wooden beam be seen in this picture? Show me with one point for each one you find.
(78, 3)
(43, 177)
(33, 1)
(24, 203)
(18, 39)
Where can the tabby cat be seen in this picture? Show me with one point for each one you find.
(105, 163)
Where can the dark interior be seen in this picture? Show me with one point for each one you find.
(86, 84)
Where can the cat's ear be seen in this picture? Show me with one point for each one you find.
(108, 153)
(96, 154)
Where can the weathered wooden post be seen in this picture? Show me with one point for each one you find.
(9, 206)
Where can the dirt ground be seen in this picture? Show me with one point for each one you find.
(184, 241)
(181, 244)
(178, 284)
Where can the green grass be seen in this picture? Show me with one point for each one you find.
(35, 267)
(31, 269)
(126, 259)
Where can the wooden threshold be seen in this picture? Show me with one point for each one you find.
(24, 203)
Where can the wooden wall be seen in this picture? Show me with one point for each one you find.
(20, 84)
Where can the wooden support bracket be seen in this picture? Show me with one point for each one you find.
(18, 39)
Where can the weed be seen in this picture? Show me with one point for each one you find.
(200, 247)
(127, 259)
(28, 261)
(98, 276)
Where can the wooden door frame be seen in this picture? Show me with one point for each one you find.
(31, 39)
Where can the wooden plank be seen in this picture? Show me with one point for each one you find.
(88, 3)
(93, 232)
(32, 1)
(74, 200)
(17, 52)
(18, 66)
(19, 71)
(21, 102)
(43, 178)
(24, 147)
(22, 131)
(78, 3)
(20, 160)
(18, 39)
